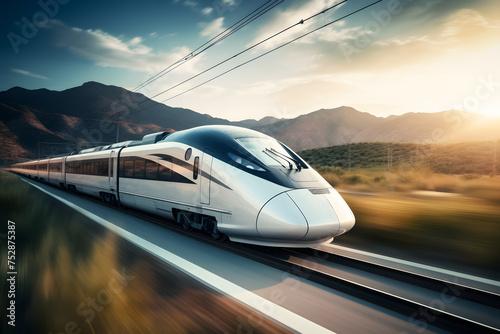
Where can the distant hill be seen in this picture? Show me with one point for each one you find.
(252, 123)
(322, 128)
(95, 101)
(328, 127)
(88, 115)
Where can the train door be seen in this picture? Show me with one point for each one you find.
(205, 177)
(63, 170)
(50, 174)
(113, 170)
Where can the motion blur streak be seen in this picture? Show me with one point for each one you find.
(276, 312)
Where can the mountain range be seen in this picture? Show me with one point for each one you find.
(33, 120)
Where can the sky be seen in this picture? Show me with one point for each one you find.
(394, 57)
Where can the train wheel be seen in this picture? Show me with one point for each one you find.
(218, 235)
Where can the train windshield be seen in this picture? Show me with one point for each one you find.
(269, 151)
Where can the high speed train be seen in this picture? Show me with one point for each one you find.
(225, 180)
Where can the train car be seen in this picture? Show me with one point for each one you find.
(224, 180)
(28, 169)
(32, 169)
(43, 170)
(56, 171)
(89, 173)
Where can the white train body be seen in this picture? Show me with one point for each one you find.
(222, 179)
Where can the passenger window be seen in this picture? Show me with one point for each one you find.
(139, 169)
(97, 168)
(164, 171)
(104, 168)
(128, 170)
(121, 168)
(151, 170)
(196, 167)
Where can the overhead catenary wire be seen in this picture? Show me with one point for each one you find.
(264, 54)
(261, 10)
(154, 103)
(250, 48)
(213, 41)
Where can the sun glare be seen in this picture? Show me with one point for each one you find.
(491, 110)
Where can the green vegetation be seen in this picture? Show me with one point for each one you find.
(461, 158)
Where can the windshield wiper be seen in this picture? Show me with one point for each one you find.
(287, 158)
(297, 163)
(266, 151)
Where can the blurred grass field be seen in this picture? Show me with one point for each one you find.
(448, 219)
(71, 273)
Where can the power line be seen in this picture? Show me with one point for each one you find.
(213, 41)
(251, 47)
(264, 54)
(153, 103)
(261, 10)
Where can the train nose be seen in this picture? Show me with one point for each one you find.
(281, 219)
(305, 214)
(326, 212)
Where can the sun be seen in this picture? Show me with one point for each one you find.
(490, 109)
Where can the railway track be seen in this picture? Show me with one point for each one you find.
(423, 299)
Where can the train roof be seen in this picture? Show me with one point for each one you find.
(209, 131)
(219, 139)
(219, 135)
(151, 138)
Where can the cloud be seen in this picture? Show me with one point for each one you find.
(403, 41)
(212, 28)
(29, 74)
(466, 24)
(465, 30)
(196, 7)
(207, 11)
(190, 3)
(284, 18)
(135, 41)
(461, 34)
(334, 34)
(229, 2)
(107, 50)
